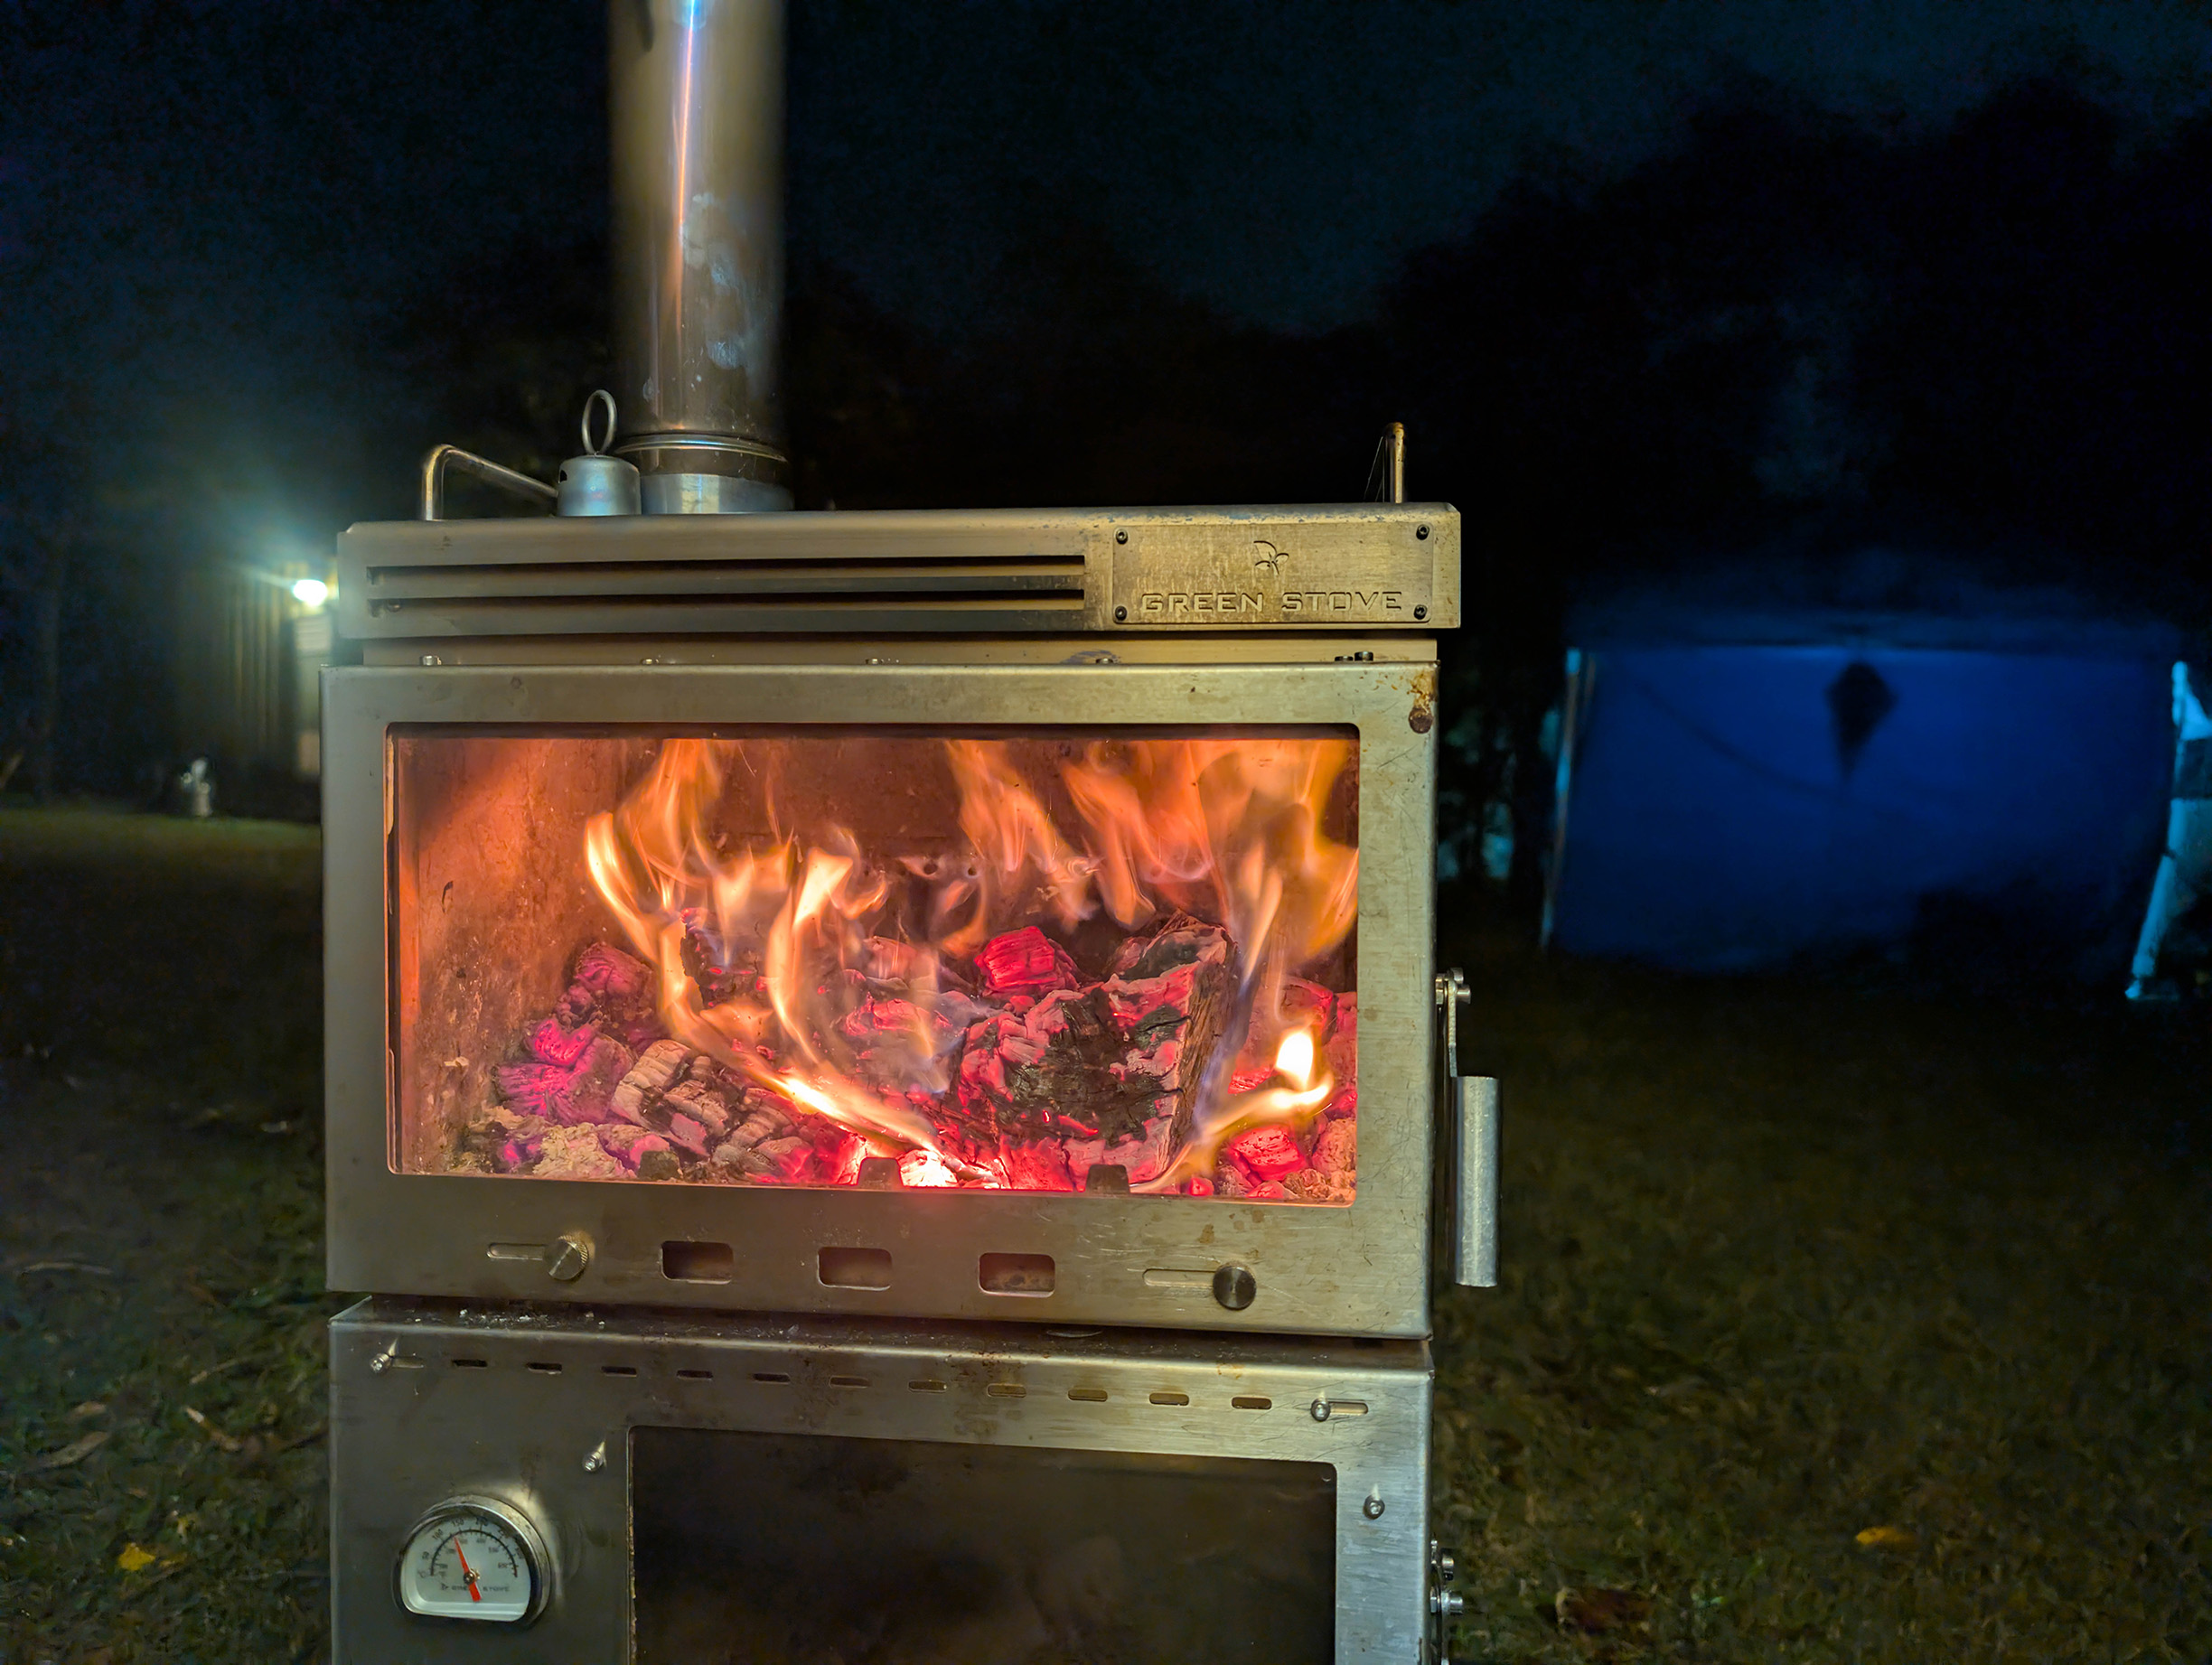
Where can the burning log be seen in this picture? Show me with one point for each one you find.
(1049, 1083)
(702, 1103)
(1336, 1149)
(1025, 962)
(657, 1068)
(631, 1145)
(608, 985)
(1264, 1153)
(569, 1095)
(1170, 995)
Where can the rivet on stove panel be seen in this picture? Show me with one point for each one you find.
(595, 1459)
(1372, 1507)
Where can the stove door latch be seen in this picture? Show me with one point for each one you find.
(1471, 1116)
(1445, 1604)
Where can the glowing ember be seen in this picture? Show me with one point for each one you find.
(1100, 964)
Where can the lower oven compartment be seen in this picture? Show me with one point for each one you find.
(650, 1488)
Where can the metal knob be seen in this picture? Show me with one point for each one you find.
(572, 1253)
(1234, 1287)
(1447, 1603)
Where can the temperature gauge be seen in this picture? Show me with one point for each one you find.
(473, 1557)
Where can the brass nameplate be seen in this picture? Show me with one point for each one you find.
(1344, 570)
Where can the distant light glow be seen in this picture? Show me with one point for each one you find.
(310, 592)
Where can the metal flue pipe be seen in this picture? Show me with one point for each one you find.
(696, 103)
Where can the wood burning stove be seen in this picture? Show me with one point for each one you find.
(882, 1067)
(977, 967)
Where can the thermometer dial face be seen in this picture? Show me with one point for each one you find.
(471, 1560)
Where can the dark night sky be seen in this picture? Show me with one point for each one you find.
(207, 210)
(223, 225)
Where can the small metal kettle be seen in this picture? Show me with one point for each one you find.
(595, 484)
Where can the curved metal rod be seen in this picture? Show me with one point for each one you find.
(435, 460)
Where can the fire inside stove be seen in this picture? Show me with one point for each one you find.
(1064, 959)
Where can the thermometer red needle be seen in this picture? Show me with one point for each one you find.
(474, 1594)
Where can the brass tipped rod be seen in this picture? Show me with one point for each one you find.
(1394, 439)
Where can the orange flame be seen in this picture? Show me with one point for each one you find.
(1294, 1093)
(1228, 829)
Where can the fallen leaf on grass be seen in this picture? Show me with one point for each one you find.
(76, 1451)
(135, 1559)
(90, 1408)
(64, 1265)
(1597, 1610)
(212, 1432)
(1884, 1538)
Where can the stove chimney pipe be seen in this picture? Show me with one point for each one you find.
(695, 108)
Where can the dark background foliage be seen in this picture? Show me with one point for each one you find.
(258, 257)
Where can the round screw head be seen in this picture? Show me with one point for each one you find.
(1121, 616)
(1421, 532)
(1120, 538)
(1420, 613)
(1372, 1507)
(572, 1253)
(1321, 1409)
(1234, 1287)
(595, 1459)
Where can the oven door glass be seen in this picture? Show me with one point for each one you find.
(1053, 960)
(784, 1547)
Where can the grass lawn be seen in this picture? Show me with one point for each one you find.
(1786, 1264)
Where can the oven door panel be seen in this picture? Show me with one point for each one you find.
(495, 744)
(623, 1440)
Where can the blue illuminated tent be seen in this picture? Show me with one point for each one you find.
(1744, 783)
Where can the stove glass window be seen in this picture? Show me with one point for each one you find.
(1056, 959)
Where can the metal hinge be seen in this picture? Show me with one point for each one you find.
(1471, 1109)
